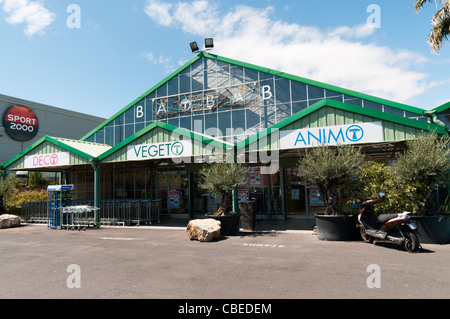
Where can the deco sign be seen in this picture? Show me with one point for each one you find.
(21, 123)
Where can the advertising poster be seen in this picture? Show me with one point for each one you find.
(255, 176)
(174, 199)
(242, 195)
(314, 197)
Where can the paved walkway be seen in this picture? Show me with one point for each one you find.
(261, 225)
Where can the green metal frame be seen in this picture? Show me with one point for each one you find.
(195, 136)
(344, 107)
(400, 106)
(53, 141)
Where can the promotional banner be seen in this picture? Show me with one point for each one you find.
(360, 133)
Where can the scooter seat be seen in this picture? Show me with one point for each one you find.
(385, 217)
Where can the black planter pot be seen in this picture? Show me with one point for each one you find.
(229, 224)
(248, 214)
(337, 228)
(433, 229)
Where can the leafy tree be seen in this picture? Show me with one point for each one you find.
(37, 181)
(425, 163)
(440, 21)
(330, 168)
(375, 178)
(222, 178)
(6, 190)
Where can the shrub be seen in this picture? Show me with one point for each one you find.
(330, 168)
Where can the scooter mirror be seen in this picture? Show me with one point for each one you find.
(381, 194)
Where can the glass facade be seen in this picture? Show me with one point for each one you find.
(226, 101)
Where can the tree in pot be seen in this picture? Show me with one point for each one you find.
(223, 178)
(329, 168)
(426, 163)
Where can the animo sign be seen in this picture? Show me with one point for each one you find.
(332, 135)
(21, 123)
(47, 160)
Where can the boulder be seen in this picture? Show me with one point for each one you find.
(203, 230)
(7, 221)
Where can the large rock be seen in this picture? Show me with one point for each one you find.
(204, 230)
(7, 221)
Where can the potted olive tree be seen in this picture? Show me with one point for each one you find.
(329, 168)
(221, 179)
(425, 164)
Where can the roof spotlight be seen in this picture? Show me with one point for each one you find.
(209, 43)
(194, 47)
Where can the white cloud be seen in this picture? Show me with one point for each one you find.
(337, 56)
(32, 13)
(157, 60)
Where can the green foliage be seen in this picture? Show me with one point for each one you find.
(424, 164)
(400, 195)
(37, 181)
(330, 168)
(222, 178)
(14, 201)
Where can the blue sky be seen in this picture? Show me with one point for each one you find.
(124, 47)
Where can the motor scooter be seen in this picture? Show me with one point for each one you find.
(393, 228)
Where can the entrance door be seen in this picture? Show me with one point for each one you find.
(172, 188)
(295, 196)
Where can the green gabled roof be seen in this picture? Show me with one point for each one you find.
(344, 107)
(86, 150)
(356, 94)
(441, 108)
(193, 135)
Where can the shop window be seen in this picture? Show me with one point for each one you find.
(211, 124)
(392, 110)
(332, 95)
(315, 93)
(185, 122)
(224, 123)
(100, 136)
(162, 91)
(238, 120)
(237, 75)
(129, 130)
(118, 134)
(173, 86)
(129, 116)
(185, 83)
(283, 111)
(373, 106)
(250, 75)
(109, 135)
(299, 106)
(282, 91)
(298, 90)
(352, 100)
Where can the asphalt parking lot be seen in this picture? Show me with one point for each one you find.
(162, 263)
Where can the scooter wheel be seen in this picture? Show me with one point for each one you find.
(366, 238)
(411, 242)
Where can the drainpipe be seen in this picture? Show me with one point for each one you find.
(96, 167)
(433, 115)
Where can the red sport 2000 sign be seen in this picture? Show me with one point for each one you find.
(21, 123)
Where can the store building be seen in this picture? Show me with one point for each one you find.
(25, 122)
(154, 147)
